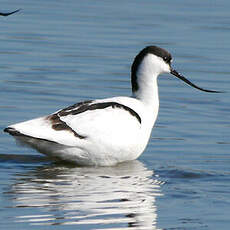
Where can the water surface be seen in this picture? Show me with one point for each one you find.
(56, 53)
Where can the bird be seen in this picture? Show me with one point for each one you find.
(104, 132)
(7, 14)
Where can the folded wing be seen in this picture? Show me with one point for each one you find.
(85, 121)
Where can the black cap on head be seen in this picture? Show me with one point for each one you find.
(164, 54)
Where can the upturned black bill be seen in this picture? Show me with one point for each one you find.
(178, 75)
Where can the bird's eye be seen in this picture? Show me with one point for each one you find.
(167, 59)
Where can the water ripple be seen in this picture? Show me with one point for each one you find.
(121, 195)
(182, 174)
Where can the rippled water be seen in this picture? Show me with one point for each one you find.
(87, 197)
(56, 53)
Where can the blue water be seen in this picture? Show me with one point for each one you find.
(56, 53)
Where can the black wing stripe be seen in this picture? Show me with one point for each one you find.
(73, 107)
(86, 106)
(58, 124)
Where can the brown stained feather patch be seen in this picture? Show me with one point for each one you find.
(59, 125)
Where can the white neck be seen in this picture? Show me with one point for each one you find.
(147, 74)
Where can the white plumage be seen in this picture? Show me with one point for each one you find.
(107, 131)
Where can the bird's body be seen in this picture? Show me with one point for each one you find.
(109, 131)
(103, 132)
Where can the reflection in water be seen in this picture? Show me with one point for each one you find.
(108, 197)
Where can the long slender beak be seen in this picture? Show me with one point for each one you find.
(178, 75)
